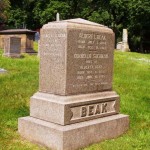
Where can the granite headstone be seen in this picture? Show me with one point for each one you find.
(75, 105)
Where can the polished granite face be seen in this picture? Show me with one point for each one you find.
(76, 57)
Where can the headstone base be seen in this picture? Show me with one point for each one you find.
(125, 47)
(71, 109)
(72, 136)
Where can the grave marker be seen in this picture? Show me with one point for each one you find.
(75, 105)
(12, 46)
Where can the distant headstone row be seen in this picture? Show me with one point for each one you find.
(75, 105)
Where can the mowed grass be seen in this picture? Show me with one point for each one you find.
(131, 81)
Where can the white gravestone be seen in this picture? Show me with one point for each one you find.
(123, 45)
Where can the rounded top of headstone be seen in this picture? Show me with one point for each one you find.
(75, 23)
(17, 31)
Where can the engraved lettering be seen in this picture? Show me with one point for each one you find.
(81, 41)
(91, 51)
(91, 110)
(98, 66)
(85, 36)
(100, 37)
(90, 56)
(82, 56)
(89, 72)
(97, 110)
(100, 55)
(83, 111)
(91, 42)
(104, 110)
(94, 110)
(89, 77)
(87, 67)
(90, 47)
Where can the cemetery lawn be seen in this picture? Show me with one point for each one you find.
(131, 81)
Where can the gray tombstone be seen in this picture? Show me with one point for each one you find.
(12, 46)
(75, 105)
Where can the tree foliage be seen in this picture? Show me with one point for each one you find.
(47, 12)
(139, 24)
(4, 5)
(116, 14)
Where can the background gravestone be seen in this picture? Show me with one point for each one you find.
(123, 45)
(27, 38)
(75, 105)
(12, 46)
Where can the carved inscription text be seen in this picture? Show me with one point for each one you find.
(91, 110)
(92, 60)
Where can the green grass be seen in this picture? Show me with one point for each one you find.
(35, 45)
(131, 81)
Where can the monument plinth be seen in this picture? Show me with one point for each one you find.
(75, 105)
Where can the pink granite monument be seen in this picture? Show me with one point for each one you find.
(75, 105)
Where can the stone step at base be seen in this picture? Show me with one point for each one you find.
(74, 136)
